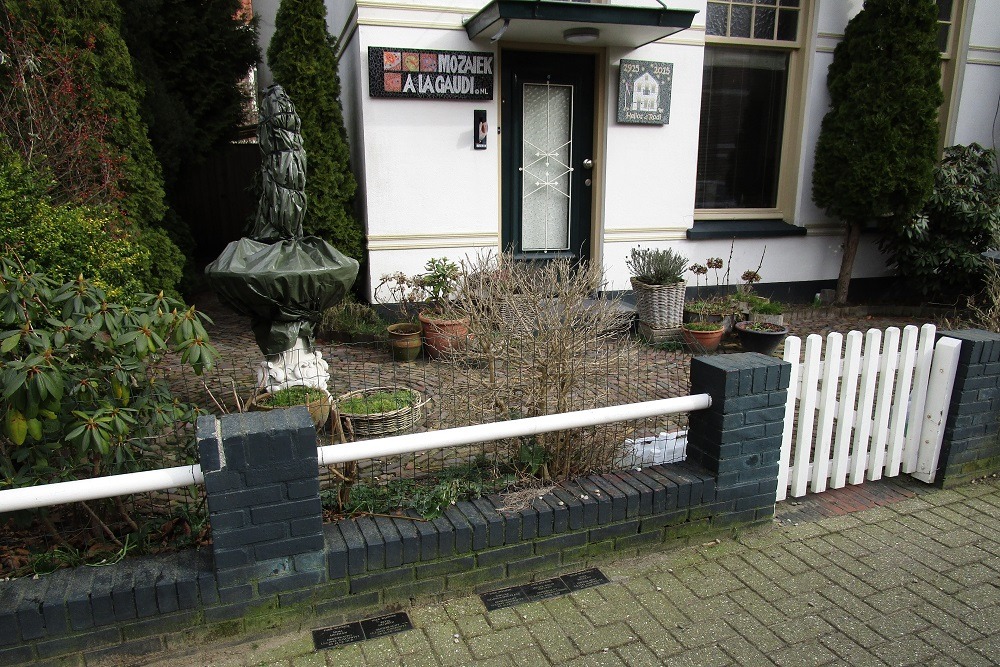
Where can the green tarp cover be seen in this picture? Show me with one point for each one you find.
(279, 278)
(284, 287)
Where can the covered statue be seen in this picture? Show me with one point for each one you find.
(279, 278)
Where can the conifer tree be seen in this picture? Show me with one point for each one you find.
(878, 143)
(302, 58)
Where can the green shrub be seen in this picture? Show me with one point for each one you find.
(878, 142)
(69, 240)
(302, 56)
(79, 388)
(290, 396)
(940, 254)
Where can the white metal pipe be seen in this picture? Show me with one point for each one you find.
(467, 435)
(80, 490)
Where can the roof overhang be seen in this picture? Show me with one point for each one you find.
(546, 22)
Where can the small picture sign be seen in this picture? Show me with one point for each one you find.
(428, 74)
(644, 92)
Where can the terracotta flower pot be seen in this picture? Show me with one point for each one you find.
(442, 335)
(703, 341)
(404, 341)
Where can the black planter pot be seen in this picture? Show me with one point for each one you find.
(764, 342)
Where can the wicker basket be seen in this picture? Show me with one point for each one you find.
(659, 306)
(381, 423)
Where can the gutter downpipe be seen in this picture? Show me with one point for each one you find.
(43, 495)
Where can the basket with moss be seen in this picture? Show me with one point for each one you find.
(317, 401)
(380, 410)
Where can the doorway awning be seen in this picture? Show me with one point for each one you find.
(553, 22)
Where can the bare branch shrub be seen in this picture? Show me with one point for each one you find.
(985, 310)
(547, 344)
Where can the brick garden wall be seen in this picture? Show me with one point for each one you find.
(273, 560)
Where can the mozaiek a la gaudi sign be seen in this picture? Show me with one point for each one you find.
(430, 75)
(644, 92)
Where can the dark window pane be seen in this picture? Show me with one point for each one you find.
(742, 114)
(944, 10)
(740, 27)
(766, 2)
(942, 41)
(789, 3)
(718, 17)
(788, 23)
(763, 23)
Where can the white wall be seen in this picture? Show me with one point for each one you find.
(430, 194)
(979, 95)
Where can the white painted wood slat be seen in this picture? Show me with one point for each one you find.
(793, 345)
(827, 411)
(863, 417)
(883, 402)
(918, 397)
(900, 401)
(845, 409)
(807, 415)
(941, 382)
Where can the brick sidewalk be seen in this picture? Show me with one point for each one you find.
(914, 581)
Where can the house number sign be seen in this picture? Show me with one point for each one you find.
(644, 92)
(432, 75)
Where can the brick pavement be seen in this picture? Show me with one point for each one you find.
(914, 580)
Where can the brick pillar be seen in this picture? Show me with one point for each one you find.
(262, 481)
(971, 446)
(738, 439)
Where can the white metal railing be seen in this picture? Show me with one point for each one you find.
(169, 478)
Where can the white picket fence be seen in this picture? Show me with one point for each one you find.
(872, 407)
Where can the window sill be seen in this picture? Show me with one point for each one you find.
(742, 229)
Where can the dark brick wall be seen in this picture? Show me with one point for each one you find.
(971, 446)
(263, 503)
(273, 561)
(738, 438)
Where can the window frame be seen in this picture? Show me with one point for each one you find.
(799, 60)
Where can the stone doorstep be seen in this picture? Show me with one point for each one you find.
(187, 579)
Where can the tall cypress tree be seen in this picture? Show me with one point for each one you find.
(302, 58)
(878, 143)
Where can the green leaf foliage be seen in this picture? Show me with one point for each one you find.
(91, 30)
(70, 239)
(940, 253)
(81, 392)
(302, 58)
(878, 142)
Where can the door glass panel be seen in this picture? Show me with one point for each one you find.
(546, 156)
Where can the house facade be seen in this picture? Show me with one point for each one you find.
(585, 129)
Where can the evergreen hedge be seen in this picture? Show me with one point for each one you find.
(302, 58)
(878, 143)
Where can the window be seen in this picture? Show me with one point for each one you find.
(749, 52)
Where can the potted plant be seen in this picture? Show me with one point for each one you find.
(702, 336)
(766, 310)
(763, 337)
(658, 284)
(404, 337)
(444, 329)
(316, 400)
(352, 322)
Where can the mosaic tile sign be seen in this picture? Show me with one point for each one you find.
(644, 92)
(430, 75)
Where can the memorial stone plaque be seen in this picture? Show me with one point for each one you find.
(584, 579)
(542, 590)
(505, 597)
(327, 638)
(389, 624)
